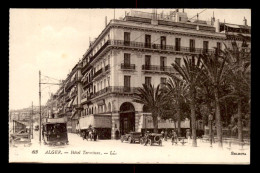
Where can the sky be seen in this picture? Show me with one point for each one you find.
(54, 40)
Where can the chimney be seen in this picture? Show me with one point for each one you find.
(213, 19)
(105, 21)
(245, 21)
(183, 10)
(177, 10)
(217, 25)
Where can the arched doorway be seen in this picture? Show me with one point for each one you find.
(127, 118)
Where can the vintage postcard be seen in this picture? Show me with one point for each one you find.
(130, 86)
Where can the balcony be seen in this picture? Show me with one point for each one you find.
(127, 66)
(143, 45)
(115, 90)
(157, 68)
(70, 84)
(159, 47)
(98, 73)
(87, 83)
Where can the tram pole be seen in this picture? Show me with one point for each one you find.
(40, 124)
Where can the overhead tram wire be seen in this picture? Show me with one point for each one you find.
(51, 78)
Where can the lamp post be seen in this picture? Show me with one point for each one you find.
(210, 129)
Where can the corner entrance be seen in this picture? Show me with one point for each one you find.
(127, 118)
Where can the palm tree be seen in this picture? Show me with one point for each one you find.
(239, 76)
(176, 90)
(215, 70)
(153, 99)
(190, 72)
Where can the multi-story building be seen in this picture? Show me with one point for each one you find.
(129, 52)
(138, 49)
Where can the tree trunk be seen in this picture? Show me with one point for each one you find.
(193, 123)
(179, 120)
(218, 119)
(155, 124)
(239, 122)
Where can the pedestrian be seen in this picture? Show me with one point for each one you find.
(174, 137)
(162, 133)
(146, 138)
(86, 134)
(188, 134)
(117, 134)
(165, 135)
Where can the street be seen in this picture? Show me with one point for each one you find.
(113, 151)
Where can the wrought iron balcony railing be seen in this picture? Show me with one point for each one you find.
(115, 89)
(158, 68)
(127, 66)
(152, 46)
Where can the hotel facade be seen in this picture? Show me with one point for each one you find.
(129, 52)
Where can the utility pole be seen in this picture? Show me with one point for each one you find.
(32, 121)
(40, 124)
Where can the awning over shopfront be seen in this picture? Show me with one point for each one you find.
(96, 121)
(164, 124)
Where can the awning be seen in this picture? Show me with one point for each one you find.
(85, 76)
(72, 91)
(73, 76)
(84, 93)
(70, 103)
(96, 121)
(232, 26)
(75, 102)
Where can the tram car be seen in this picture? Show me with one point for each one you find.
(54, 132)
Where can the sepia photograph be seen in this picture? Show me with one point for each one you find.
(130, 86)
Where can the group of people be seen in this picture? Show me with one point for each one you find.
(90, 134)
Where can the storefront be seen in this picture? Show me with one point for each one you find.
(100, 122)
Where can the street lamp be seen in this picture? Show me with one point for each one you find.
(210, 128)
